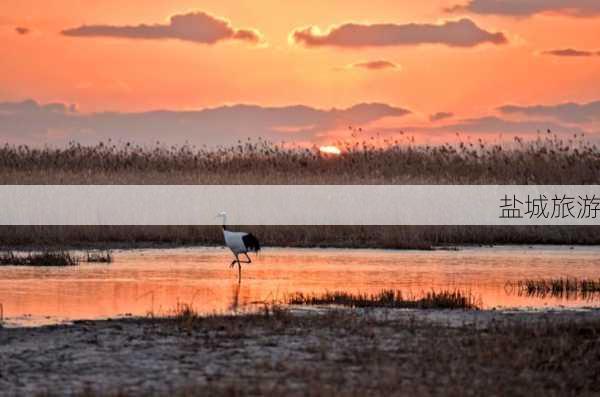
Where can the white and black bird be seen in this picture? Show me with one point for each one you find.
(239, 243)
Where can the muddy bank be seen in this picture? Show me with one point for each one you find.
(309, 352)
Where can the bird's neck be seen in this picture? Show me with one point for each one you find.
(224, 222)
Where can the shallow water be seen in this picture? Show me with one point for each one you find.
(142, 282)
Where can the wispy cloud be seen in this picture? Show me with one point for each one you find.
(571, 52)
(375, 65)
(524, 8)
(493, 125)
(198, 27)
(34, 123)
(440, 116)
(568, 112)
(461, 33)
(22, 30)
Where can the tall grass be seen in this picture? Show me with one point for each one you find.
(102, 256)
(393, 237)
(569, 288)
(390, 299)
(548, 159)
(44, 259)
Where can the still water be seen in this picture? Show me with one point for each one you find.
(140, 282)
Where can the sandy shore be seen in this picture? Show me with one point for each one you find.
(309, 352)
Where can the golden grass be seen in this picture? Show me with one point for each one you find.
(547, 160)
(390, 299)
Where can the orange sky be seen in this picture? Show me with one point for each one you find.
(125, 75)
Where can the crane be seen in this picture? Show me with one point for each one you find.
(239, 243)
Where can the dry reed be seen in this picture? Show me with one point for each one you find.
(46, 258)
(568, 288)
(549, 159)
(390, 299)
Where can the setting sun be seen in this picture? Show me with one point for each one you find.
(330, 150)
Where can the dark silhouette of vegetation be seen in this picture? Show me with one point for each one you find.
(46, 258)
(104, 256)
(549, 159)
(569, 288)
(390, 299)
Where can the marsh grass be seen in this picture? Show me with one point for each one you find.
(103, 256)
(392, 237)
(568, 288)
(390, 299)
(548, 159)
(43, 259)
(186, 318)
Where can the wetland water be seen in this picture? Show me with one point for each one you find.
(140, 282)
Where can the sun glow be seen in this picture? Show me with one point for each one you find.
(330, 150)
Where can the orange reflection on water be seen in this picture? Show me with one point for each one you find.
(140, 282)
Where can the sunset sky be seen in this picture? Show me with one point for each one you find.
(90, 70)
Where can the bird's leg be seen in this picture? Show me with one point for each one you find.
(236, 260)
(249, 260)
(239, 272)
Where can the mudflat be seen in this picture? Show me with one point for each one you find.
(309, 351)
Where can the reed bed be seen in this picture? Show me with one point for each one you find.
(549, 159)
(390, 299)
(44, 259)
(569, 288)
(391, 237)
(103, 256)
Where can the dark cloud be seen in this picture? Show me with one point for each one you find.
(497, 125)
(571, 52)
(523, 8)
(440, 116)
(568, 112)
(462, 33)
(375, 65)
(22, 31)
(198, 27)
(32, 123)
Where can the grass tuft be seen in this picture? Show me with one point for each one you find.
(104, 256)
(390, 299)
(569, 288)
(46, 258)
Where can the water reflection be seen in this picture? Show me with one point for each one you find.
(145, 282)
(568, 289)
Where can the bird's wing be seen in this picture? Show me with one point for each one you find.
(251, 242)
(235, 241)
